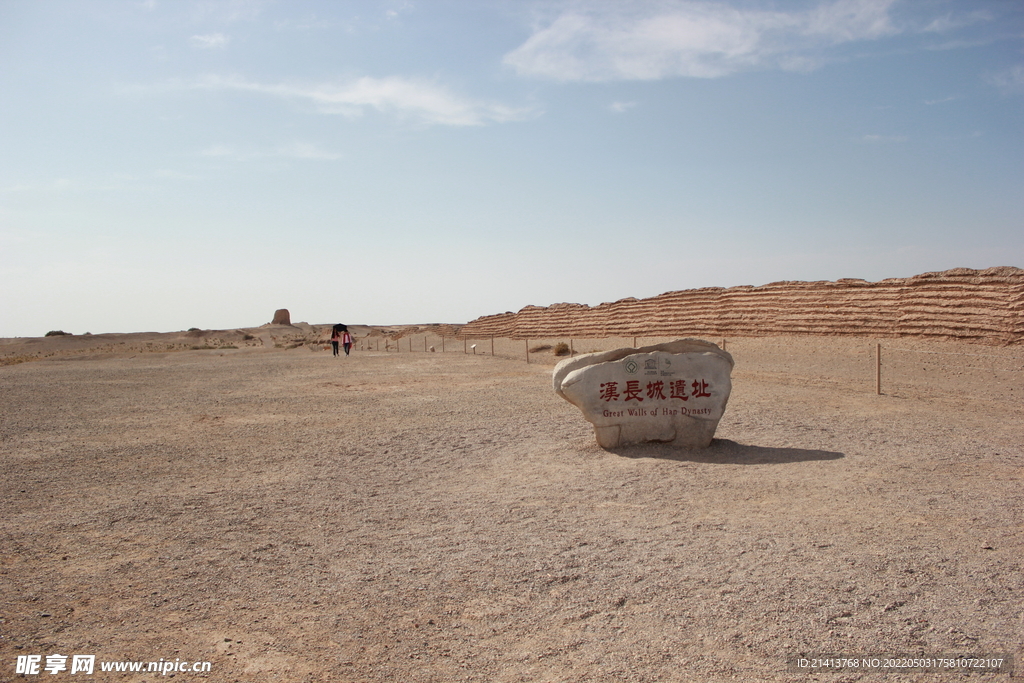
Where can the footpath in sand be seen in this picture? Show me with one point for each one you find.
(289, 516)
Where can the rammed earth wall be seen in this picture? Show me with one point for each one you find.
(979, 305)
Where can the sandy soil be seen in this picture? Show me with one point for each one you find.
(289, 516)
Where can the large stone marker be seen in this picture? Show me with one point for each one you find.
(281, 317)
(674, 392)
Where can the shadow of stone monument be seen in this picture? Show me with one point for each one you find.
(727, 452)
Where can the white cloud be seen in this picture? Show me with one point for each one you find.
(884, 138)
(18, 187)
(845, 21)
(293, 150)
(217, 151)
(424, 101)
(632, 41)
(951, 22)
(1010, 81)
(171, 174)
(940, 101)
(227, 10)
(116, 181)
(401, 8)
(959, 44)
(620, 107)
(304, 150)
(57, 184)
(210, 41)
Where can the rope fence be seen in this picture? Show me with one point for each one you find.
(858, 364)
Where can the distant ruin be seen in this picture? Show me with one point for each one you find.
(281, 317)
(973, 305)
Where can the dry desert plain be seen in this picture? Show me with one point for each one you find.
(290, 516)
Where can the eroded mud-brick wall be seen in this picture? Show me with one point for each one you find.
(981, 305)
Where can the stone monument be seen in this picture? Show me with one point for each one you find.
(674, 392)
(281, 317)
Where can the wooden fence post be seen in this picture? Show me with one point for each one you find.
(492, 344)
(878, 369)
(527, 350)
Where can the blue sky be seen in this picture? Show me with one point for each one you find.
(166, 165)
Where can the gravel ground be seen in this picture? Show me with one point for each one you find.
(289, 516)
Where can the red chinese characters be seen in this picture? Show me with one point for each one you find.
(654, 390)
(633, 391)
(610, 391)
(678, 389)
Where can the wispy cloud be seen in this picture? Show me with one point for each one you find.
(399, 9)
(304, 150)
(884, 138)
(116, 181)
(217, 151)
(1010, 81)
(292, 150)
(621, 107)
(690, 38)
(310, 23)
(171, 174)
(227, 10)
(58, 184)
(951, 22)
(210, 41)
(18, 187)
(423, 101)
(940, 101)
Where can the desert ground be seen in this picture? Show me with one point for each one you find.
(289, 516)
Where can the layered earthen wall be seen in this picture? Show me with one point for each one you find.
(981, 305)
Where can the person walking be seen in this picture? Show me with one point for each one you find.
(335, 338)
(346, 341)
